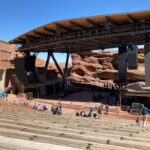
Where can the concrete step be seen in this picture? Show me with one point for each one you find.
(99, 125)
(61, 141)
(108, 122)
(33, 124)
(86, 124)
(128, 141)
(19, 144)
(73, 131)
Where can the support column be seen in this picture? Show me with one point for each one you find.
(66, 65)
(37, 91)
(59, 69)
(132, 57)
(147, 63)
(122, 63)
(47, 62)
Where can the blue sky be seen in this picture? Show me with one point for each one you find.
(20, 16)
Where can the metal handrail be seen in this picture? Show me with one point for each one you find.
(90, 32)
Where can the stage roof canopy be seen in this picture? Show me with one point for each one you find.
(95, 32)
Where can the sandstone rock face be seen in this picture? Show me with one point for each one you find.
(8, 52)
(6, 55)
(101, 67)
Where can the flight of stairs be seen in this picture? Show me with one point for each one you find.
(26, 129)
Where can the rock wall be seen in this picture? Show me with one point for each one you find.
(2, 79)
(7, 51)
(101, 67)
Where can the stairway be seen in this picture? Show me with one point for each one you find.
(22, 129)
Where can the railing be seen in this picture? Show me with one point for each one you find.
(90, 33)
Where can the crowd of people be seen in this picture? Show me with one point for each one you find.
(93, 111)
(40, 107)
(56, 110)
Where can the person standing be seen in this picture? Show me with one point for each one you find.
(91, 109)
(107, 109)
(100, 109)
(144, 113)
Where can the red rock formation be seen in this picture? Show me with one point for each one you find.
(101, 67)
(94, 68)
(6, 55)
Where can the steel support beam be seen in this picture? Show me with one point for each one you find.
(32, 37)
(122, 64)
(57, 65)
(94, 23)
(78, 25)
(123, 35)
(63, 27)
(41, 34)
(47, 62)
(147, 62)
(66, 65)
(130, 18)
(49, 30)
(132, 57)
(109, 23)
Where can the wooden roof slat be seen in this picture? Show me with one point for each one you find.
(78, 25)
(108, 19)
(83, 23)
(130, 18)
(63, 27)
(40, 33)
(94, 23)
(49, 30)
(31, 36)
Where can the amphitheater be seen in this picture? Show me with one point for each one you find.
(22, 128)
